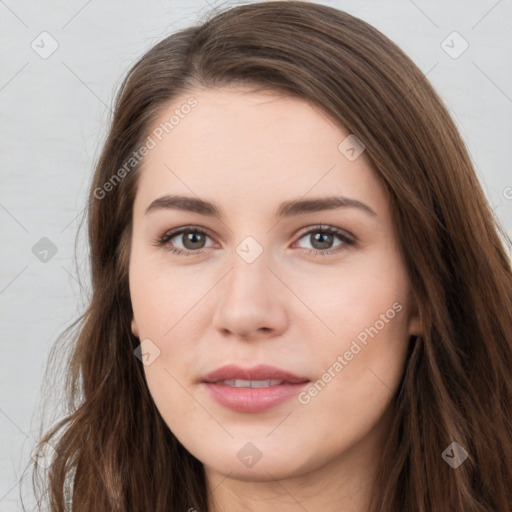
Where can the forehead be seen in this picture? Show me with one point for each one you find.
(238, 144)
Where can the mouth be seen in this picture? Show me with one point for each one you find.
(241, 383)
(252, 389)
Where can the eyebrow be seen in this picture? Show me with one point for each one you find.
(286, 209)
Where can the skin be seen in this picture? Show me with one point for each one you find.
(293, 308)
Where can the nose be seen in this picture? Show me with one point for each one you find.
(251, 301)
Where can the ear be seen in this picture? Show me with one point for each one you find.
(135, 329)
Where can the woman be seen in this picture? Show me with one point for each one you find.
(224, 365)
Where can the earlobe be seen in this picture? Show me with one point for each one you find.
(135, 329)
(415, 326)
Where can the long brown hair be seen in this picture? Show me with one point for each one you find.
(457, 383)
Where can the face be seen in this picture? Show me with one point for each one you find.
(305, 308)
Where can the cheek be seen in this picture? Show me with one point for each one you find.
(168, 311)
(367, 301)
(372, 359)
(163, 298)
(359, 371)
(361, 363)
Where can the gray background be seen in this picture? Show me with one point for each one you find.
(53, 117)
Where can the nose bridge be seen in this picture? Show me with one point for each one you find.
(249, 268)
(249, 299)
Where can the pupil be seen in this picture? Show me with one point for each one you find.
(324, 239)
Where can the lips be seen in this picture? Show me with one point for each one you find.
(257, 373)
(252, 389)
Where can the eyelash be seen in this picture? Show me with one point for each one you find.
(347, 240)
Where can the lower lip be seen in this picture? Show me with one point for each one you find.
(252, 399)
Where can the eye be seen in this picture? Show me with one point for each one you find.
(322, 238)
(191, 238)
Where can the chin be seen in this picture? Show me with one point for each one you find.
(257, 459)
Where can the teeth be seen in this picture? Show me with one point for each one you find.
(239, 383)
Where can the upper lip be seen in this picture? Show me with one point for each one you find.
(260, 372)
